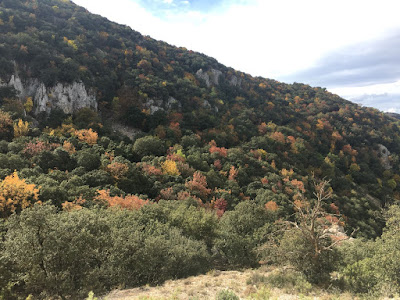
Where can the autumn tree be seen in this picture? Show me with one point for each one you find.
(6, 125)
(170, 167)
(130, 202)
(28, 105)
(87, 136)
(198, 185)
(34, 148)
(309, 242)
(16, 194)
(21, 128)
(117, 170)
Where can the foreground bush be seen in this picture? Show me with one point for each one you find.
(68, 254)
(373, 267)
(241, 231)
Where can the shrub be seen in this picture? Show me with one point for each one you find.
(289, 280)
(154, 252)
(88, 159)
(57, 254)
(68, 254)
(226, 295)
(241, 231)
(149, 145)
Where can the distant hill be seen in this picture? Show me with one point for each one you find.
(394, 115)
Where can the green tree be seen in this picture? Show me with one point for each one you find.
(149, 145)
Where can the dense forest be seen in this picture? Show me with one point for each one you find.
(181, 166)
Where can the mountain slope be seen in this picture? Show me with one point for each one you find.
(174, 93)
(125, 161)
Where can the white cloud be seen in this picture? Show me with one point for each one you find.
(266, 38)
(375, 89)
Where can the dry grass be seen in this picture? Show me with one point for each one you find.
(207, 287)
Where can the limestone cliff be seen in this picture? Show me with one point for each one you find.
(67, 97)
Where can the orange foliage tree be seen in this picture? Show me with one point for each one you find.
(130, 202)
(220, 150)
(87, 136)
(69, 147)
(117, 170)
(198, 184)
(16, 194)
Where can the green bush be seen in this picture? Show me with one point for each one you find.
(88, 159)
(148, 145)
(68, 254)
(241, 231)
(154, 252)
(226, 295)
(57, 254)
(289, 280)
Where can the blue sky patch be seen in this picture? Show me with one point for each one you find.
(161, 8)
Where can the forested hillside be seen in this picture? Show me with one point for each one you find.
(150, 162)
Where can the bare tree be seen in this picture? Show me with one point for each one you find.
(307, 243)
(315, 223)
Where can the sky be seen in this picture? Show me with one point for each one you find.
(350, 47)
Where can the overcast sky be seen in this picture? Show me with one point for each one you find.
(351, 47)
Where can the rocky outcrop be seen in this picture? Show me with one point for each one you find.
(384, 155)
(153, 105)
(210, 77)
(67, 97)
(234, 81)
(172, 103)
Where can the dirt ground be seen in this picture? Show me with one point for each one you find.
(209, 285)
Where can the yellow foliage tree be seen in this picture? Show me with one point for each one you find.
(16, 194)
(21, 128)
(169, 167)
(28, 105)
(87, 136)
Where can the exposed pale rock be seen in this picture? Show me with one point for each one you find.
(203, 75)
(173, 103)
(210, 77)
(67, 97)
(235, 81)
(384, 155)
(154, 105)
(214, 76)
(206, 104)
(154, 108)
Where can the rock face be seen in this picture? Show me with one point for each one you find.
(384, 154)
(67, 97)
(235, 81)
(210, 77)
(155, 105)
